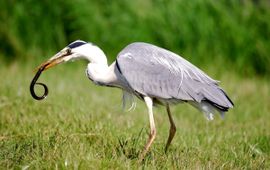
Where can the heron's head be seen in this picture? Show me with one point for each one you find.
(76, 50)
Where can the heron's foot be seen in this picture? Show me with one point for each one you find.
(172, 128)
(148, 144)
(170, 138)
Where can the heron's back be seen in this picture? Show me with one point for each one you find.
(158, 73)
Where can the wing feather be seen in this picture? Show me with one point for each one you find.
(156, 72)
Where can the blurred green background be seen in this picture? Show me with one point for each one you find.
(227, 34)
(82, 126)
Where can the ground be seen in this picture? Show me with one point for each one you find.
(82, 126)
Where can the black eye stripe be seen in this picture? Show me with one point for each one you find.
(76, 44)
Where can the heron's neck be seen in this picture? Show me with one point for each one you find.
(94, 55)
(101, 74)
(98, 69)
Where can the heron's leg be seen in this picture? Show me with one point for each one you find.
(152, 135)
(172, 128)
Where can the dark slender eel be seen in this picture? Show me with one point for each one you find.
(34, 82)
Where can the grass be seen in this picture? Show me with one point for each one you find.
(82, 126)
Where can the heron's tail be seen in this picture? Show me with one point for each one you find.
(209, 108)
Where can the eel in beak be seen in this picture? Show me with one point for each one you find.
(60, 57)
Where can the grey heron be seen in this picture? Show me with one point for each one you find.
(154, 75)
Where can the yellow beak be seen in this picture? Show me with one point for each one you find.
(56, 59)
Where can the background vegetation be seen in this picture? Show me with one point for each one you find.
(234, 32)
(82, 126)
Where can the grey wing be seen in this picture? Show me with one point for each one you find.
(156, 72)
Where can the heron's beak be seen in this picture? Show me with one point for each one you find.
(58, 58)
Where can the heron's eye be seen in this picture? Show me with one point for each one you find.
(68, 51)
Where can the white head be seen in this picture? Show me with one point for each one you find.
(77, 50)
